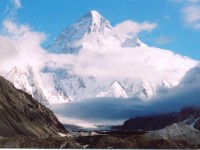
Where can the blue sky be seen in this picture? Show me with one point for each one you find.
(178, 21)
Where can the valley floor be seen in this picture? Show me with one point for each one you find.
(175, 136)
(131, 140)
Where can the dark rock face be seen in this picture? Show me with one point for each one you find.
(20, 114)
(197, 125)
(150, 123)
(187, 112)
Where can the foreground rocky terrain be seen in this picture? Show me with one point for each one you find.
(37, 142)
(172, 137)
(26, 123)
(174, 130)
(20, 114)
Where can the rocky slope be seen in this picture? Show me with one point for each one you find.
(177, 131)
(172, 137)
(37, 142)
(188, 115)
(20, 114)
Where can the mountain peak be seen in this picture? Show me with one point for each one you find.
(91, 30)
(91, 23)
(94, 22)
(95, 14)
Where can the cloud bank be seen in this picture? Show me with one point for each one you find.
(115, 110)
(20, 46)
(147, 63)
(133, 28)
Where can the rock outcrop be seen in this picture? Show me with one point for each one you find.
(20, 114)
(135, 141)
(188, 115)
(37, 142)
(177, 131)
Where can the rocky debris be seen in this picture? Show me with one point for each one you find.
(177, 131)
(20, 114)
(188, 115)
(37, 142)
(133, 141)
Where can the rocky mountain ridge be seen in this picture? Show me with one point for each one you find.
(187, 115)
(20, 114)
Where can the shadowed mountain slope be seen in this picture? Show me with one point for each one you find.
(20, 114)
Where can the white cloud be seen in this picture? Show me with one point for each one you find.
(131, 27)
(163, 40)
(191, 16)
(144, 62)
(7, 49)
(16, 3)
(21, 46)
(110, 111)
(147, 63)
(14, 30)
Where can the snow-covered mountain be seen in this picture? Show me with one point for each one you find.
(92, 31)
(27, 80)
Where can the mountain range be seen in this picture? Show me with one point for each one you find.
(114, 90)
(94, 33)
(25, 123)
(187, 115)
